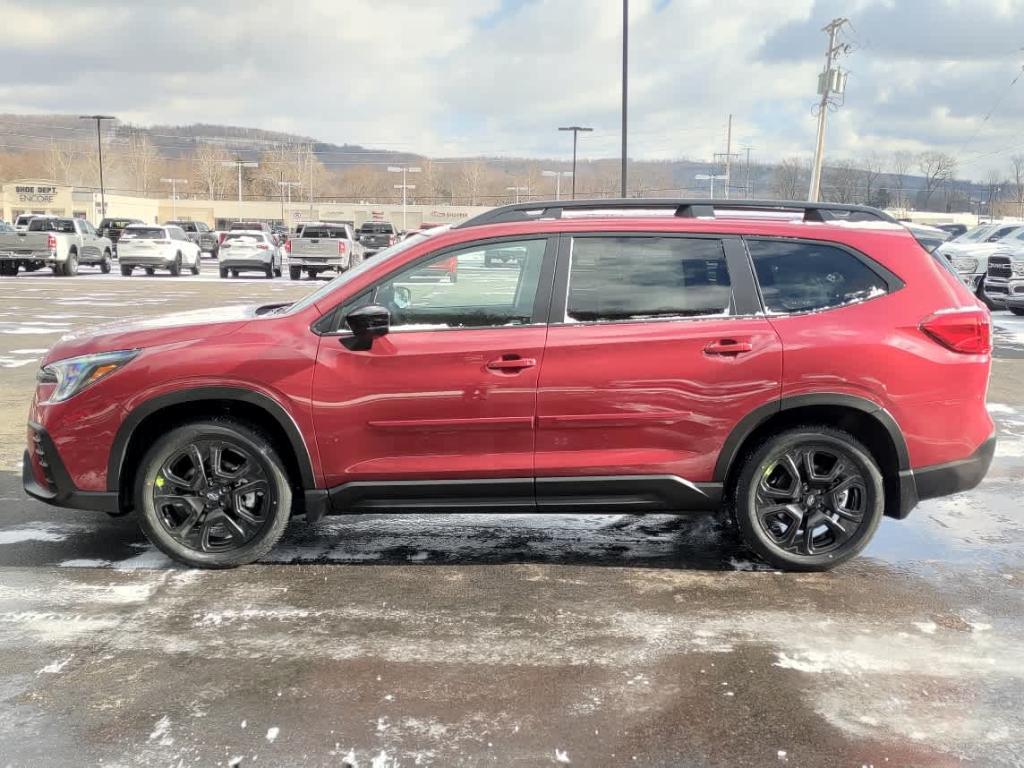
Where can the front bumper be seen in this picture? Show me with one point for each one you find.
(945, 479)
(54, 485)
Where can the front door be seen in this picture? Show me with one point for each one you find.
(450, 393)
(663, 350)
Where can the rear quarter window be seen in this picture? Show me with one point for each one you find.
(805, 277)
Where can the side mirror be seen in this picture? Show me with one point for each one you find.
(366, 323)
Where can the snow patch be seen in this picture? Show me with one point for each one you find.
(161, 733)
(55, 667)
(272, 734)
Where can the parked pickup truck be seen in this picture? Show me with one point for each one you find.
(200, 234)
(112, 228)
(56, 242)
(376, 236)
(317, 248)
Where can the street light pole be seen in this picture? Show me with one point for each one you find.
(174, 194)
(240, 164)
(575, 135)
(558, 180)
(99, 150)
(625, 88)
(404, 169)
(517, 190)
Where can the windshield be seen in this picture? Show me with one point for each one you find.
(143, 233)
(976, 234)
(346, 277)
(377, 228)
(245, 237)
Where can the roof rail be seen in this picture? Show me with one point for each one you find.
(688, 208)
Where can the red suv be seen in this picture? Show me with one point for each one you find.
(808, 367)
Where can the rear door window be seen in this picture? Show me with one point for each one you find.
(805, 276)
(647, 278)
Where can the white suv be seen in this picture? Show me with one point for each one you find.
(156, 247)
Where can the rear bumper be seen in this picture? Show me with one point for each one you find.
(58, 488)
(47, 256)
(945, 479)
(258, 265)
(154, 262)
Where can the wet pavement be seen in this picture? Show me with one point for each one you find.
(464, 640)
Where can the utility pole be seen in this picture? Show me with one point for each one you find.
(831, 80)
(625, 93)
(99, 150)
(728, 157)
(710, 177)
(239, 163)
(404, 169)
(575, 134)
(286, 186)
(746, 187)
(174, 194)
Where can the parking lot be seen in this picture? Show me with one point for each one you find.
(502, 640)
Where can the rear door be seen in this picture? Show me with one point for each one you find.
(659, 350)
(450, 393)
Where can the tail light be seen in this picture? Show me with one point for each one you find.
(288, 246)
(967, 331)
(51, 243)
(220, 238)
(342, 247)
(392, 239)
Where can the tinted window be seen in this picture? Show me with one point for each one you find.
(639, 278)
(459, 290)
(801, 277)
(143, 233)
(378, 228)
(66, 226)
(325, 231)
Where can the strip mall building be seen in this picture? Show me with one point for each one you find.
(47, 197)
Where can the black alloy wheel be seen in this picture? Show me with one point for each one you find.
(213, 494)
(809, 499)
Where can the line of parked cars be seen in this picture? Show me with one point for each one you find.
(989, 259)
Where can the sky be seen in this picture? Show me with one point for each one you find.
(498, 77)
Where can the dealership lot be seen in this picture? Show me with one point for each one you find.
(518, 640)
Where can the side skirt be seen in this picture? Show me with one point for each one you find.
(634, 494)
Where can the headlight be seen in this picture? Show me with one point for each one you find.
(1018, 268)
(76, 373)
(965, 264)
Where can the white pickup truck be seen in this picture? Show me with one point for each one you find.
(320, 247)
(57, 242)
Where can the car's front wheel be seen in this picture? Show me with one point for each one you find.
(809, 498)
(106, 263)
(213, 494)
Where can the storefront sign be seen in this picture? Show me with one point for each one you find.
(35, 194)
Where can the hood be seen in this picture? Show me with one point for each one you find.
(133, 333)
(976, 249)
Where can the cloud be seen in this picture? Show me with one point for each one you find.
(497, 77)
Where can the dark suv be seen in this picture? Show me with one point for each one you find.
(807, 367)
(112, 228)
(200, 233)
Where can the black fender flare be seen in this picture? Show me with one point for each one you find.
(730, 449)
(197, 394)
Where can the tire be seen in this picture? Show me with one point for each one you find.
(1018, 311)
(176, 266)
(765, 481)
(150, 271)
(8, 269)
(311, 273)
(294, 273)
(980, 293)
(195, 264)
(269, 272)
(126, 270)
(234, 273)
(278, 271)
(105, 265)
(225, 538)
(71, 264)
(223, 273)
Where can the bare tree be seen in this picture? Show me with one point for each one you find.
(1017, 183)
(902, 162)
(140, 159)
(62, 158)
(840, 182)
(937, 168)
(870, 173)
(211, 175)
(472, 176)
(788, 179)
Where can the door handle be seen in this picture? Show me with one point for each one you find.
(728, 347)
(511, 363)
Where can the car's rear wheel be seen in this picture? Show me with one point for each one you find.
(809, 498)
(105, 265)
(70, 265)
(213, 494)
(1017, 311)
(269, 272)
(176, 265)
(294, 273)
(195, 264)
(150, 271)
(126, 270)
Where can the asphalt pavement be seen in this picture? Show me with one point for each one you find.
(520, 640)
